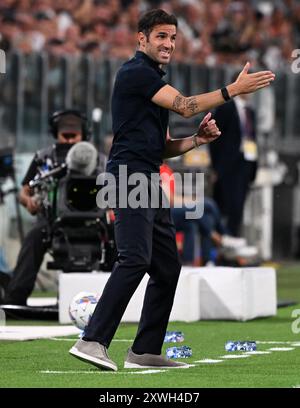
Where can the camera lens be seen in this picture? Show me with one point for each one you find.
(81, 194)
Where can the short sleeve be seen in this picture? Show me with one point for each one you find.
(143, 81)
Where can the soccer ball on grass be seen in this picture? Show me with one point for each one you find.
(82, 307)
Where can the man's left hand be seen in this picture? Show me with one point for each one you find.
(208, 130)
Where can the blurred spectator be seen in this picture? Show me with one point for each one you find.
(210, 226)
(9, 31)
(234, 159)
(210, 32)
(121, 43)
(55, 47)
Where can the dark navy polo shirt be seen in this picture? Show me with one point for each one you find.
(139, 125)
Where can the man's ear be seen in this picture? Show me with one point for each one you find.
(142, 39)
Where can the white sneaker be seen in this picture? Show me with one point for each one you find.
(233, 242)
(248, 252)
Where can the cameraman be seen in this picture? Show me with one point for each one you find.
(68, 127)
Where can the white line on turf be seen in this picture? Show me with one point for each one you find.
(274, 342)
(60, 339)
(100, 372)
(208, 361)
(146, 372)
(235, 356)
(281, 348)
(257, 352)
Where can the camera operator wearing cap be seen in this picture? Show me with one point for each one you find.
(68, 127)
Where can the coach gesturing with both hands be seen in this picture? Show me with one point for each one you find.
(145, 237)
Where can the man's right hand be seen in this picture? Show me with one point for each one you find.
(247, 83)
(32, 205)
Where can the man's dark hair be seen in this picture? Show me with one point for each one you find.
(153, 18)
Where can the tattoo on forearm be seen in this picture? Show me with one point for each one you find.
(178, 103)
(192, 104)
(182, 104)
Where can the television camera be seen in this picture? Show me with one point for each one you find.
(79, 234)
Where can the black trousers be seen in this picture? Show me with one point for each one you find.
(146, 243)
(29, 261)
(230, 193)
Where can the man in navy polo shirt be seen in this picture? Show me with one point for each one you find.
(145, 237)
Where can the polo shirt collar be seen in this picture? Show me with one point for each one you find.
(150, 61)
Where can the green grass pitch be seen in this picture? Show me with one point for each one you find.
(47, 363)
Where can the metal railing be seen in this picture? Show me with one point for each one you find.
(36, 84)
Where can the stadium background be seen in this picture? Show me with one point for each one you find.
(65, 53)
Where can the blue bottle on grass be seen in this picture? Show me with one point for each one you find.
(174, 337)
(179, 352)
(244, 345)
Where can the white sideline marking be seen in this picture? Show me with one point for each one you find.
(257, 352)
(61, 339)
(282, 348)
(236, 356)
(296, 344)
(275, 342)
(272, 342)
(146, 372)
(208, 361)
(101, 372)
